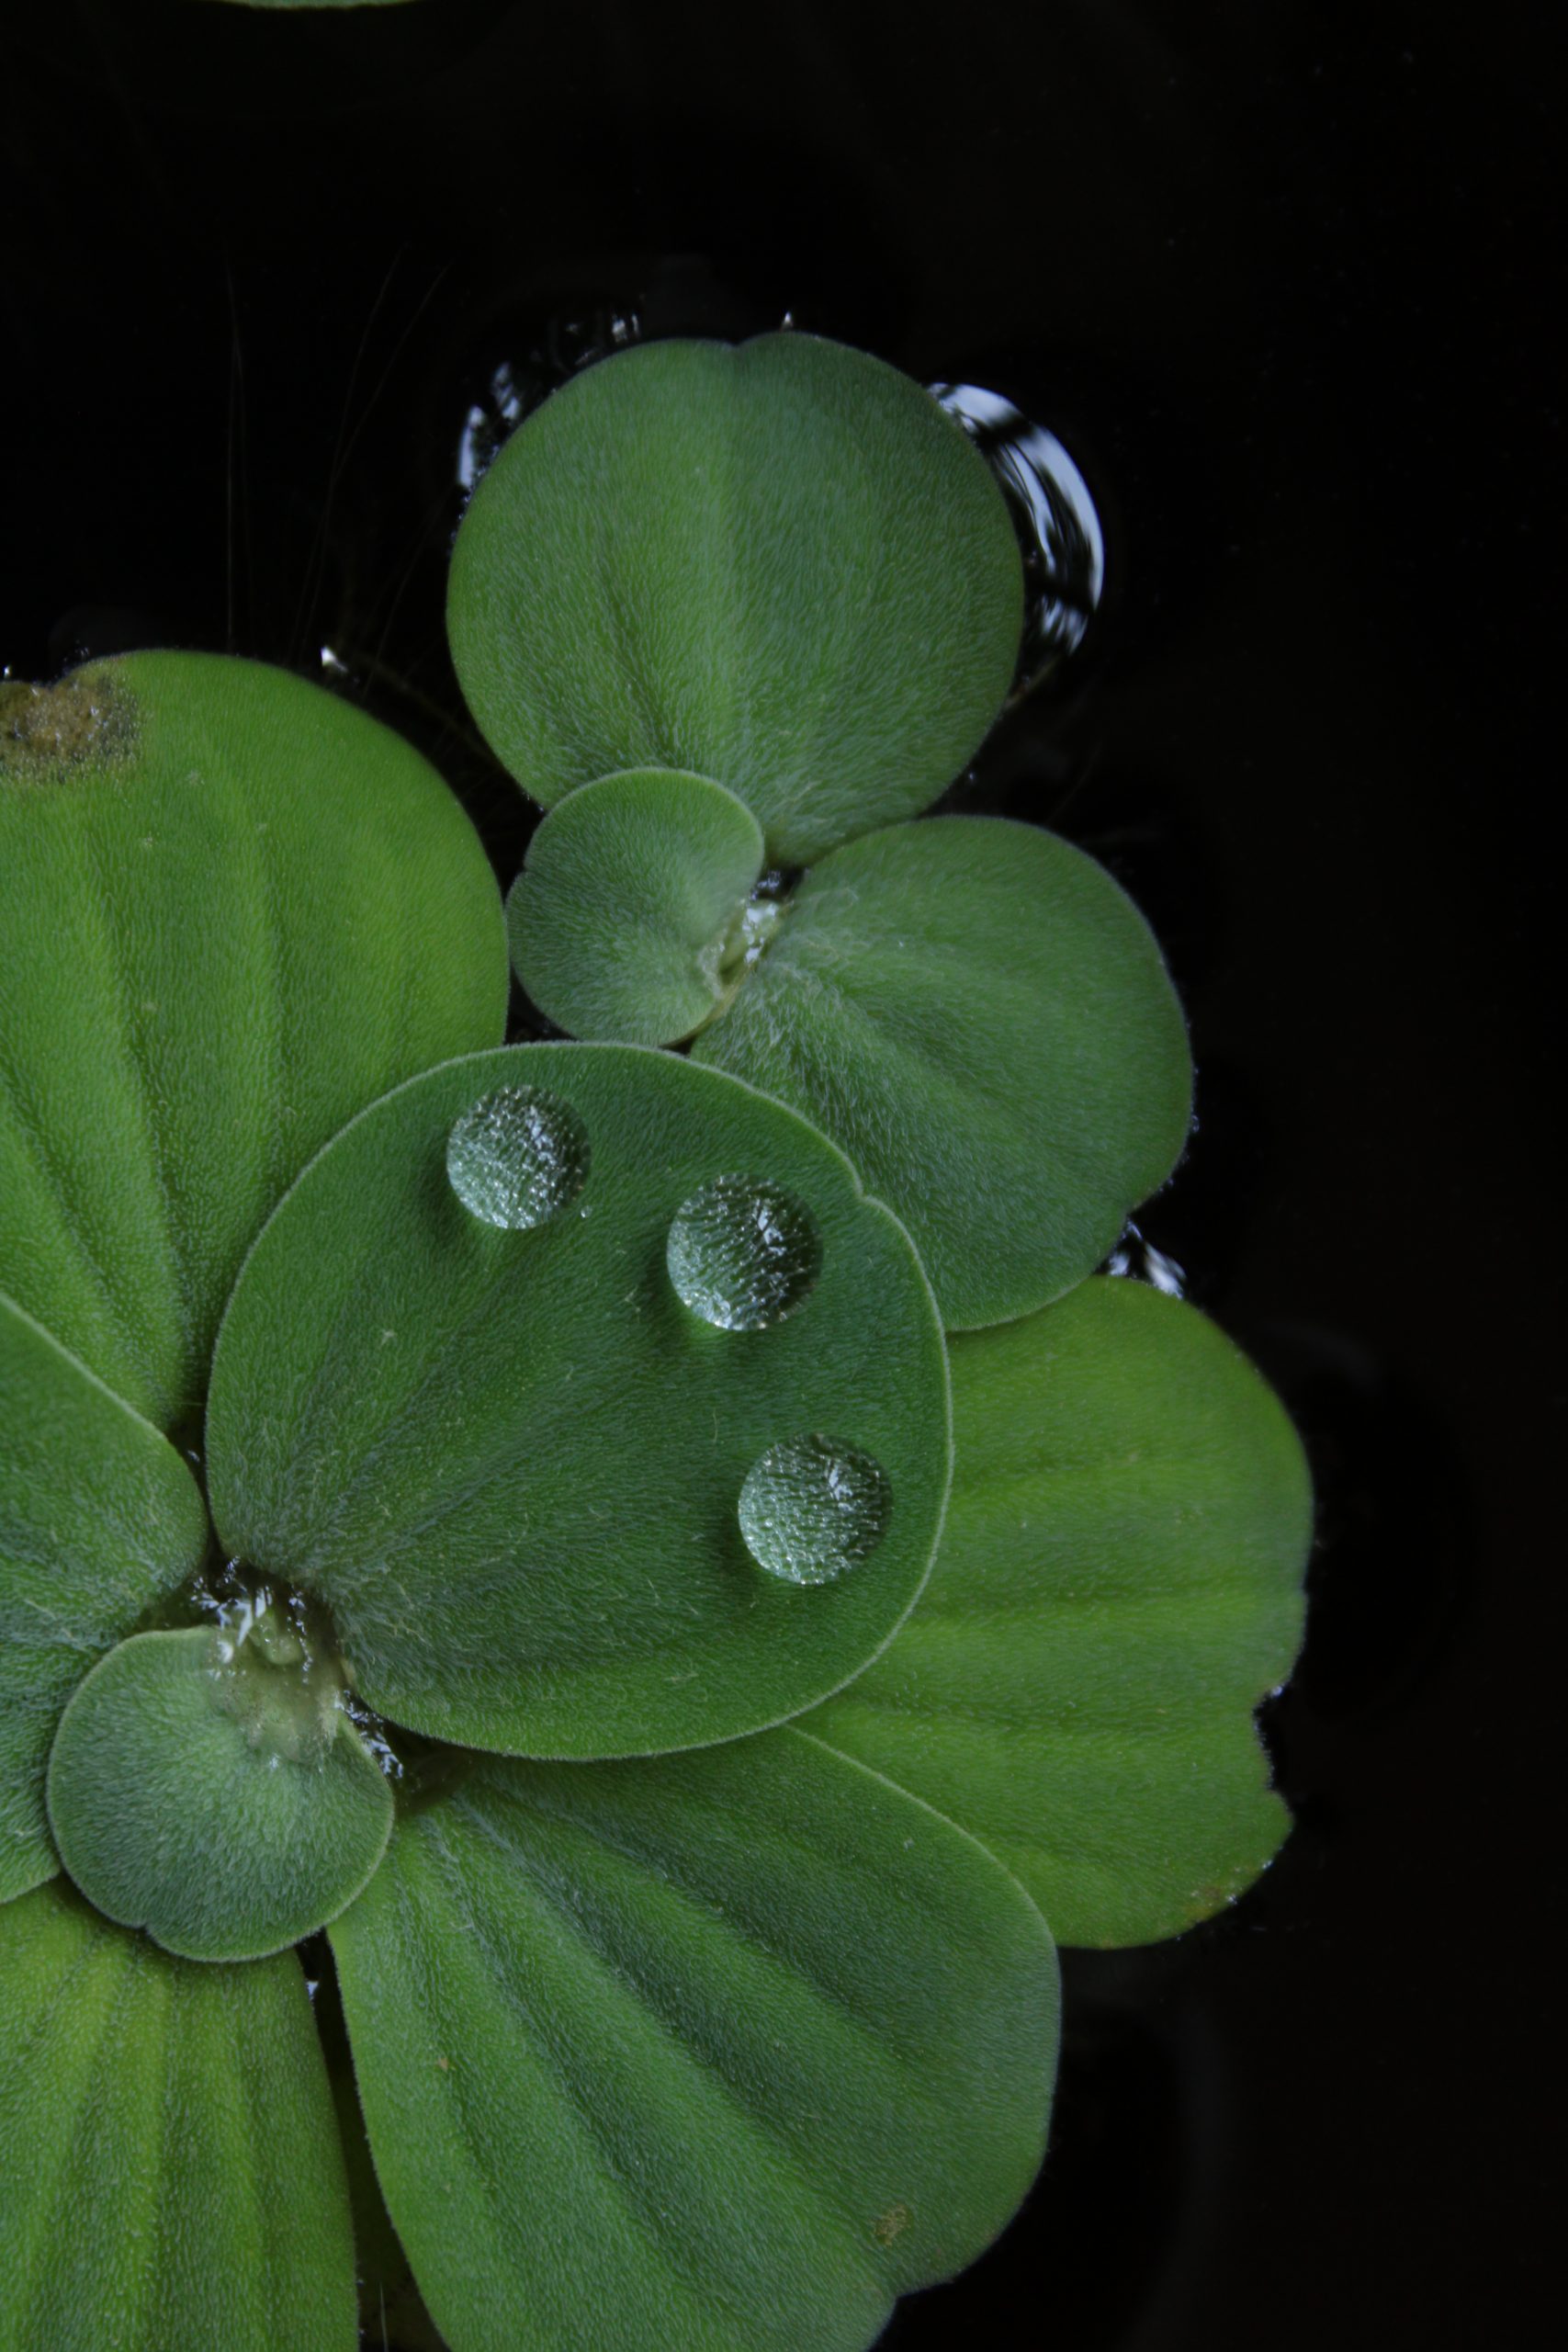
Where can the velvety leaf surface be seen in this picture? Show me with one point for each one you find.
(173, 2181)
(510, 1462)
(1119, 1585)
(779, 564)
(629, 918)
(723, 2050)
(228, 1807)
(236, 909)
(98, 1518)
(981, 1017)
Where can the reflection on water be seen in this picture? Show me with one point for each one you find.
(562, 348)
(1064, 545)
(1139, 1259)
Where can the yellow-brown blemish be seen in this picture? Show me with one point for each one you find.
(891, 2224)
(88, 719)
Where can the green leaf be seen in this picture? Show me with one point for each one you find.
(1119, 1585)
(173, 2181)
(98, 1518)
(510, 1458)
(779, 564)
(981, 1018)
(723, 2051)
(221, 1801)
(235, 911)
(630, 920)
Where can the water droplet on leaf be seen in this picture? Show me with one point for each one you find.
(812, 1508)
(517, 1156)
(743, 1254)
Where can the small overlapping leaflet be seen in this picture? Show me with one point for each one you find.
(496, 1374)
(633, 920)
(99, 1517)
(980, 1016)
(730, 2048)
(216, 1794)
(1119, 1585)
(236, 909)
(173, 2181)
(779, 564)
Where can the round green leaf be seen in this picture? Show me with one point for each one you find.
(510, 1458)
(173, 2181)
(236, 909)
(1119, 1585)
(726, 2050)
(225, 1804)
(98, 1518)
(630, 919)
(981, 1018)
(780, 564)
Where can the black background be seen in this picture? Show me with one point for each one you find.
(1284, 279)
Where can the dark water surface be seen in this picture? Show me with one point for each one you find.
(1281, 281)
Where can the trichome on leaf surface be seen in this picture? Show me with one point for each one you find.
(671, 1559)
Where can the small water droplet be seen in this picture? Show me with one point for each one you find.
(812, 1508)
(1058, 527)
(743, 1254)
(517, 1156)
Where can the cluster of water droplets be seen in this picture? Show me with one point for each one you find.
(742, 1253)
(517, 1156)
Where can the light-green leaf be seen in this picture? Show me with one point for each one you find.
(235, 911)
(779, 564)
(723, 2051)
(98, 1518)
(510, 1462)
(981, 1017)
(630, 919)
(1119, 1585)
(223, 1803)
(173, 2181)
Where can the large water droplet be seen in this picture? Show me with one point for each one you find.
(1059, 528)
(811, 1508)
(743, 1254)
(517, 1156)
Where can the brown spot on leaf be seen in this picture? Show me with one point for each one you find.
(88, 719)
(891, 2224)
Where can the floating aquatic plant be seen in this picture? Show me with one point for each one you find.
(659, 1563)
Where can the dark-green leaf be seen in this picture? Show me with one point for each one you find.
(173, 2181)
(723, 2051)
(236, 909)
(510, 1456)
(98, 1518)
(778, 564)
(1119, 1583)
(979, 1014)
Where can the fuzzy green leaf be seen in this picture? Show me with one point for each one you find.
(1119, 1585)
(629, 921)
(725, 2050)
(224, 1802)
(779, 564)
(981, 1018)
(98, 1518)
(173, 2181)
(510, 1462)
(235, 911)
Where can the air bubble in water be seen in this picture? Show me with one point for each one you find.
(812, 1508)
(743, 1254)
(517, 1156)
